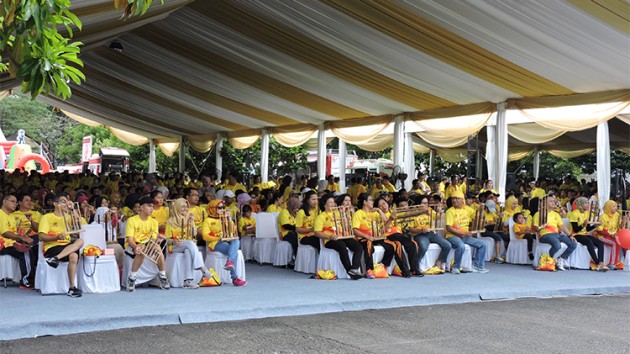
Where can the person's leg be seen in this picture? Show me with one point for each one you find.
(224, 247)
(340, 247)
(600, 250)
(479, 260)
(497, 242)
(458, 249)
(73, 258)
(423, 245)
(292, 238)
(357, 252)
(530, 242)
(389, 253)
(310, 241)
(11, 251)
(552, 239)
(71, 248)
(368, 250)
(412, 251)
(445, 248)
(570, 246)
(614, 248)
(586, 241)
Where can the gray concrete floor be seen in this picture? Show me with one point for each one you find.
(589, 324)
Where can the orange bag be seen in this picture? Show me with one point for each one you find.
(547, 263)
(397, 272)
(214, 280)
(380, 271)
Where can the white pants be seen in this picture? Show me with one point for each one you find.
(192, 255)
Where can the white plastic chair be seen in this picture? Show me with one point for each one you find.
(49, 280)
(542, 248)
(98, 274)
(9, 269)
(466, 259)
(306, 259)
(329, 260)
(247, 246)
(217, 260)
(267, 236)
(580, 258)
(516, 252)
(282, 253)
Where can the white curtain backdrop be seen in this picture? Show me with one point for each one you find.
(603, 163)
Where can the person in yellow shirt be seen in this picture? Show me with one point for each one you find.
(160, 211)
(232, 184)
(212, 233)
(324, 228)
(606, 230)
(492, 225)
(452, 187)
(420, 232)
(139, 230)
(332, 186)
(27, 222)
(276, 203)
(305, 219)
(356, 189)
(247, 224)
(582, 227)
(181, 234)
(522, 230)
(537, 191)
(387, 184)
(15, 243)
(394, 233)
(287, 225)
(488, 185)
(442, 187)
(550, 232)
(59, 245)
(377, 188)
(457, 221)
(198, 213)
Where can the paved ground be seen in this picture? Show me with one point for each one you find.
(560, 325)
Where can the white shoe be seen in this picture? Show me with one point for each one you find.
(560, 264)
(189, 284)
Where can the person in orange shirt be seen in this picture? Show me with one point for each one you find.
(522, 230)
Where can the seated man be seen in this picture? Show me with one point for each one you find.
(457, 221)
(60, 245)
(14, 243)
(139, 230)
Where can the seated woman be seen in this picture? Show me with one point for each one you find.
(581, 229)
(362, 227)
(181, 234)
(606, 230)
(212, 234)
(305, 220)
(550, 231)
(276, 203)
(394, 233)
(419, 229)
(59, 245)
(324, 228)
(492, 218)
(488, 185)
(287, 226)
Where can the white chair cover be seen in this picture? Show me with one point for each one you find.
(516, 252)
(9, 269)
(282, 253)
(104, 277)
(49, 280)
(247, 246)
(466, 259)
(490, 250)
(176, 268)
(267, 236)
(147, 273)
(216, 260)
(542, 248)
(306, 259)
(580, 258)
(377, 257)
(428, 261)
(94, 235)
(626, 262)
(329, 260)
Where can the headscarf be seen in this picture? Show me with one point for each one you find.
(212, 208)
(175, 219)
(293, 203)
(608, 207)
(457, 194)
(508, 205)
(241, 200)
(581, 203)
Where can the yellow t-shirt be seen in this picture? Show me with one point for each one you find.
(458, 219)
(422, 221)
(7, 223)
(450, 190)
(212, 231)
(274, 209)
(578, 217)
(199, 213)
(246, 224)
(362, 220)
(334, 187)
(609, 223)
(235, 187)
(52, 225)
(554, 221)
(141, 230)
(324, 223)
(538, 192)
(23, 221)
(390, 188)
(285, 218)
(161, 215)
(303, 221)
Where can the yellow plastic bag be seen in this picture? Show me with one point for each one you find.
(214, 279)
(380, 271)
(397, 272)
(433, 271)
(325, 274)
(547, 263)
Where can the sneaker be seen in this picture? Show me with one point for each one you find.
(560, 264)
(131, 284)
(369, 274)
(164, 284)
(612, 267)
(229, 266)
(500, 260)
(53, 262)
(25, 285)
(473, 270)
(189, 284)
(239, 282)
(480, 270)
(74, 292)
(417, 273)
(455, 271)
(602, 269)
(355, 274)
(531, 256)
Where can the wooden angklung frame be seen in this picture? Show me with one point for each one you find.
(72, 222)
(151, 250)
(228, 227)
(478, 222)
(342, 222)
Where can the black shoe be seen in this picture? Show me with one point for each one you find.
(74, 292)
(53, 262)
(417, 273)
(531, 256)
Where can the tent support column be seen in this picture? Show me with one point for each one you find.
(431, 161)
(321, 152)
(536, 162)
(152, 163)
(264, 156)
(182, 155)
(603, 164)
(399, 131)
(343, 153)
(410, 161)
(218, 159)
(502, 150)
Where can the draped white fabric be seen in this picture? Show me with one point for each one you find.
(342, 165)
(536, 164)
(491, 153)
(501, 150)
(573, 118)
(264, 156)
(399, 131)
(448, 132)
(321, 152)
(603, 164)
(533, 133)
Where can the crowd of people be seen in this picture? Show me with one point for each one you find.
(176, 213)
